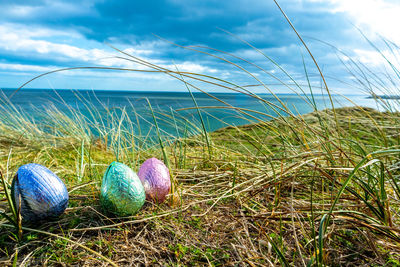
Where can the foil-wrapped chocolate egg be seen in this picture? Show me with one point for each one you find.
(155, 179)
(122, 192)
(38, 192)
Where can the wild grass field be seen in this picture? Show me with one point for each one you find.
(320, 189)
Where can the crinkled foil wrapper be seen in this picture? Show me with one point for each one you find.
(122, 193)
(156, 179)
(39, 192)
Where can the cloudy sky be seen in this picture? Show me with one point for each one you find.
(37, 36)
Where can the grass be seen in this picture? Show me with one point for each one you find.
(260, 200)
(310, 190)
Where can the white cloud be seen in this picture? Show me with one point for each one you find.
(51, 8)
(374, 58)
(48, 45)
(14, 38)
(20, 11)
(138, 51)
(24, 67)
(34, 32)
(187, 67)
(375, 16)
(17, 39)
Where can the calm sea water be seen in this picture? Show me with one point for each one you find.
(170, 107)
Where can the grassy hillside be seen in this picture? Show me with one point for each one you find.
(292, 190)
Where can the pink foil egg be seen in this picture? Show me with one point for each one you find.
(155, 179)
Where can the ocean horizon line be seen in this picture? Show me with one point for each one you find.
(168, 92)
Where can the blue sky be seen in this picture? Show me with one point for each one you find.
(37, 36)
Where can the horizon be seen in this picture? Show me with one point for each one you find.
(76, 35)
(179, 92)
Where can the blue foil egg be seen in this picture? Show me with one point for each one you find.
(122, 192)
(39, 193)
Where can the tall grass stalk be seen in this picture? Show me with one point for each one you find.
(205, 133)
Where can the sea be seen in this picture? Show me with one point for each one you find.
(174, 112)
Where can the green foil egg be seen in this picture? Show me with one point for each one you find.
(122, 192)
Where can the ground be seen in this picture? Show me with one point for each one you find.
(259, 194)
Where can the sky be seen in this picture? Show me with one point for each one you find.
(38, 36)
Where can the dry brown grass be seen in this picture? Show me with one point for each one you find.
(243, 207)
